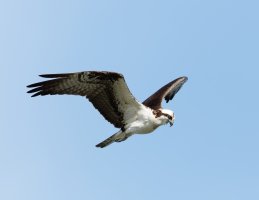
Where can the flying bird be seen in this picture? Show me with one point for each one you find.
(110, 95)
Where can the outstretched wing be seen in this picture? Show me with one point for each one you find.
(107, 91)
(167, 92)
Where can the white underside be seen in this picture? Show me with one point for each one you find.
(142, 122)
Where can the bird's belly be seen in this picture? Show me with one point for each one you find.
(142, 128)
(146, 130)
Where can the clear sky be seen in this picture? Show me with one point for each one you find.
(47, 144)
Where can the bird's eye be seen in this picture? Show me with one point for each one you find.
(170, 117)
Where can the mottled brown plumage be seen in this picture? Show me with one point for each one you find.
(97, 87)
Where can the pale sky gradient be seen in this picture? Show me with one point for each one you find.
(47, 144)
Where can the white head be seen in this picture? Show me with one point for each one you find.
(168, 115)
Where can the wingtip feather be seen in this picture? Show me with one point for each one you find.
(35, 95)
(185, 78)
(55, 75)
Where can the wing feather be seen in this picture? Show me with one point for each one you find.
(167, 92)
(107, 91)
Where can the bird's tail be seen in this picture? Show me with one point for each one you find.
(107, 142)
(117, 137)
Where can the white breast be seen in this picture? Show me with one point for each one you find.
(143, 122)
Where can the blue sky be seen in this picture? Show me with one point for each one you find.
(47, 144)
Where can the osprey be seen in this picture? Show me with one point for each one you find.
(110, 95)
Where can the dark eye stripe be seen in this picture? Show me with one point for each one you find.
(168, 116)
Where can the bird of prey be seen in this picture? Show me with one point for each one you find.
(110, 95)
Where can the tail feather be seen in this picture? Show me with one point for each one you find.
(107, 142)
(117, 137)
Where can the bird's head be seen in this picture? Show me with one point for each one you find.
(169, 116)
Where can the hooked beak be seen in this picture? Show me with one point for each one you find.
(171, 123)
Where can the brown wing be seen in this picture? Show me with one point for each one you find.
(107, 91)
(167, 92)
